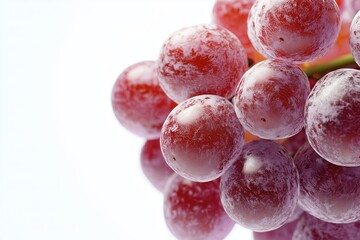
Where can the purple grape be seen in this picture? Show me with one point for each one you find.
(327, 191)
(260, 190)
(332, 117)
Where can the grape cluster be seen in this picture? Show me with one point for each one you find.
(253, 119)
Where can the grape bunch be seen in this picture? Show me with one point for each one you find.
(253, 119)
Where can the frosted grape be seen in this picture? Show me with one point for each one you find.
(327, 191)
(251, 30)
(193, 210)
(202, 59)
(332, 120)
(138, 101)
(288, 30)
(153, 164)
(202, 137)
(233, 15)
(270, 99)
(260, 190)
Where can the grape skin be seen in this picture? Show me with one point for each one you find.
(202, 137)
(139, 103)
(285, 232)
(327, 191)
(311, 228)
(193, 210)
(332, 120)
(251, 30)
(233, 15)
(153, 164)
(289, 31)
(270, 99)
(355, 38)
(202, 59)
(260, 190)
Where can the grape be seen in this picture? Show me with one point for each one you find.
(339, 49)
(251, 30)
(311, 228)
(355, 38)
(348, 9)
(202, 59)
(270, 99)
(138, 101)
(332, 120)
(193, 210)
(288, 30)
(327, 191)
(260, 190)
(153, 164)
(285, 232)
(233, 15)
(202, 137)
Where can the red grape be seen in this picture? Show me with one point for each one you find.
(138, 101)
(202, 59)
(270, 99)
(202, 137)
(193, 210)
(332, 120)
(233, 15)
(327, 191)
(153, 164)
(260, 190)
(288, 30)
(251, 30)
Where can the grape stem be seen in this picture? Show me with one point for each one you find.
(319, 70)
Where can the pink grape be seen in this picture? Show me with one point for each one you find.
(260, 190)
(311, 228)
(270, 99)
(233, 15)
(153, 164)
(355, 38)
(327, 191)
(193, 210)
(289, 31)
(251, 30)
(202, 59)
(138, 101)
(202, 137)
(332, 120)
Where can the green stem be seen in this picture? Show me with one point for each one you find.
(321, 69)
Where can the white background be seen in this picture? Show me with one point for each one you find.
(68, 169)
